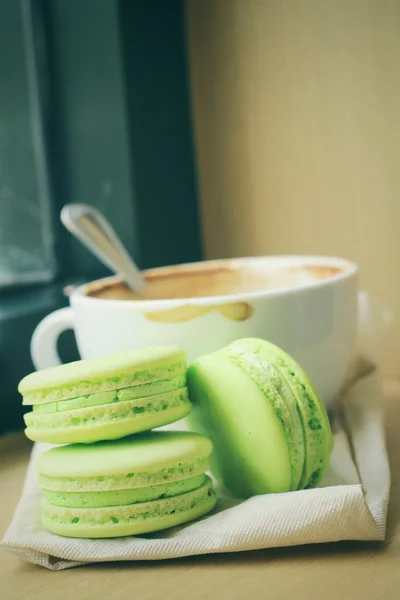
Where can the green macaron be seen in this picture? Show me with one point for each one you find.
(107, 397)
(269, 426)
(130, 486)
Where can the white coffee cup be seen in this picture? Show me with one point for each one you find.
(305, 304)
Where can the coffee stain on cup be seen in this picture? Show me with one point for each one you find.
(235, 311)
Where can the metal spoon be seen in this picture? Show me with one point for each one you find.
(95, 232)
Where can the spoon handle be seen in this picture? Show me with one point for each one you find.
(96, 233)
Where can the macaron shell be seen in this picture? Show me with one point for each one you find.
(317, 431)
(150, 453)
(107, 430)
(269, 381)
(133, 519)
(116, 371)
(251, 455)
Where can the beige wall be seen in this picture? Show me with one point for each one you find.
(297, 119)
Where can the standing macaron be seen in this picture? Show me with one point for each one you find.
(107, 397)
(269, 427)
(131, 486)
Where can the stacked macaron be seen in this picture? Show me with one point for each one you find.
(113, 480)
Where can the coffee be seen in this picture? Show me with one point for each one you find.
(223, 278)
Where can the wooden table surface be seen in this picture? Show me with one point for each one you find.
(341, 571)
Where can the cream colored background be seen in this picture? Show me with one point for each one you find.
(296, 109)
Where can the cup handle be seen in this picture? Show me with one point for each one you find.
(44, 340)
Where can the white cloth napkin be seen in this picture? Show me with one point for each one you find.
(350, 504)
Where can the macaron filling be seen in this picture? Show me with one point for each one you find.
(120, 395)
(121, 497)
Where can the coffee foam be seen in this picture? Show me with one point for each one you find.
(210, 280)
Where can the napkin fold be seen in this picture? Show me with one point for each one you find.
(350, 503)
